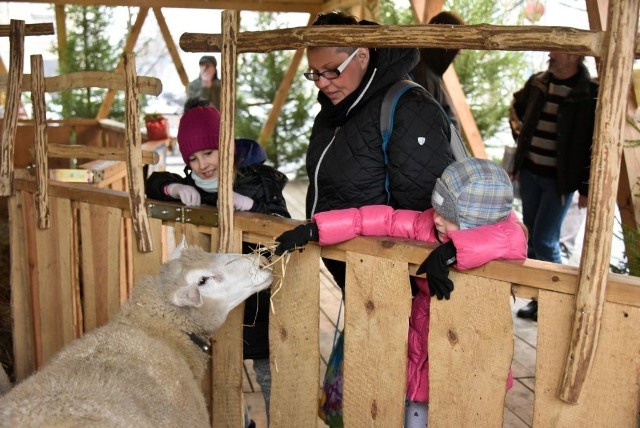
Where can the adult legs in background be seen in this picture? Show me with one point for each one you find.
(571, 227)
(543, 211)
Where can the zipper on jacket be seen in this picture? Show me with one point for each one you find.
(315, 173)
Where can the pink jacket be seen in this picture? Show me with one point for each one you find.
(475, 247)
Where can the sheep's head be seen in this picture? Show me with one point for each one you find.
(215, 283)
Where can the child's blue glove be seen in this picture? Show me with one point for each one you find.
(436, 266)
(297, 238)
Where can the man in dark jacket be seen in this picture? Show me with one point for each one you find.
(552, 120)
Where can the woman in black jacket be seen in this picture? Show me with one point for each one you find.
(257, 188)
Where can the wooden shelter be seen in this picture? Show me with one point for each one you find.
(588, 340)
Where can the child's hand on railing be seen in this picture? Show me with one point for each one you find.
(436, 266)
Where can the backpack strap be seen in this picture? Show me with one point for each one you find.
(387, 111)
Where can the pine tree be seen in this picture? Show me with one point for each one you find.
(88, 49)
(259, 77)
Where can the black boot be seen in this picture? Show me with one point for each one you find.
(529, 312)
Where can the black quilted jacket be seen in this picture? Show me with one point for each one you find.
(345, 161)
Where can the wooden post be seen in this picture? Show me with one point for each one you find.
(227, 410)
(16, 64)
(133, 147)
(615, 77)
(230, 28)
(40, 129)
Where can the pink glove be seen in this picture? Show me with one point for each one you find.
(241, 202)
(188, 195)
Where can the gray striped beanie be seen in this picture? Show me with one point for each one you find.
(473, 192)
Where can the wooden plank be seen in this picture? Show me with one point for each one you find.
(470, 353)
(12, 105)
(100, 237)
(610, 394)
(378, 303)
(99, 153)
(148, 262)
(171, 46)
(52, 278)
(294, 340)
(22, 309)
(615, 78)
(227, 360)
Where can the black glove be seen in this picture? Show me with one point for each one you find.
(436, 266)
(297, 238)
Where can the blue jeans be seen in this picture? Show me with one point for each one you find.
(543, 210)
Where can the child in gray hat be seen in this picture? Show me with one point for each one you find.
(472, 219)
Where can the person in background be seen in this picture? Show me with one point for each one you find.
(552, 119)
(257, 188)
(473, 220)
(207, 86)
(434, 62)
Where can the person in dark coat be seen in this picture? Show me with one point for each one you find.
(257, 188)
(345, 160)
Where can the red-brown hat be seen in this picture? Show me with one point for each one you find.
(199, 129)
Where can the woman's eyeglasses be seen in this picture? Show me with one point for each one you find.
(330, 74)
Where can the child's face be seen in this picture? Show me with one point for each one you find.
(443, 226)
(204, 163)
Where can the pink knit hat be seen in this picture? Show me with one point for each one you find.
(199, 129)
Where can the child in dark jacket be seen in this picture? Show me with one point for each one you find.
(257, 188)
(471, 217)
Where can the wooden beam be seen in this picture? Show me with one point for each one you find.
(252, 5)
(617, 64)
(133, 148)
(7, 143)
(481, 37)
(171, 46)
(40, 130)
(424, 10)
(107, 102)
(43, 29)
(85, 79)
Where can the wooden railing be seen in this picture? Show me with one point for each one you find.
(69, 279)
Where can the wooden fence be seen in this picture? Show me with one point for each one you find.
(68, 279)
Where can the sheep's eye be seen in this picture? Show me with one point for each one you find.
(203, 280)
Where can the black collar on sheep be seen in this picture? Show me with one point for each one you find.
(203, 344)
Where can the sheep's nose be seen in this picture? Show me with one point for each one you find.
(263, 262)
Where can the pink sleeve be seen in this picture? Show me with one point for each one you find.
(373, 220)
(504, 240)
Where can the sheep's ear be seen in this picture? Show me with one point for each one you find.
(189, 295)
(177, 252)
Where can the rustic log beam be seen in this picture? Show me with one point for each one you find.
(12, 105)
(41, 29)
(481, 37)
(310, 6)
(40, 130)
(86, 79)
(615, 77)
(65, 151)
(133, 149)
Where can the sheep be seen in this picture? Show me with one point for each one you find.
(143, 368)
